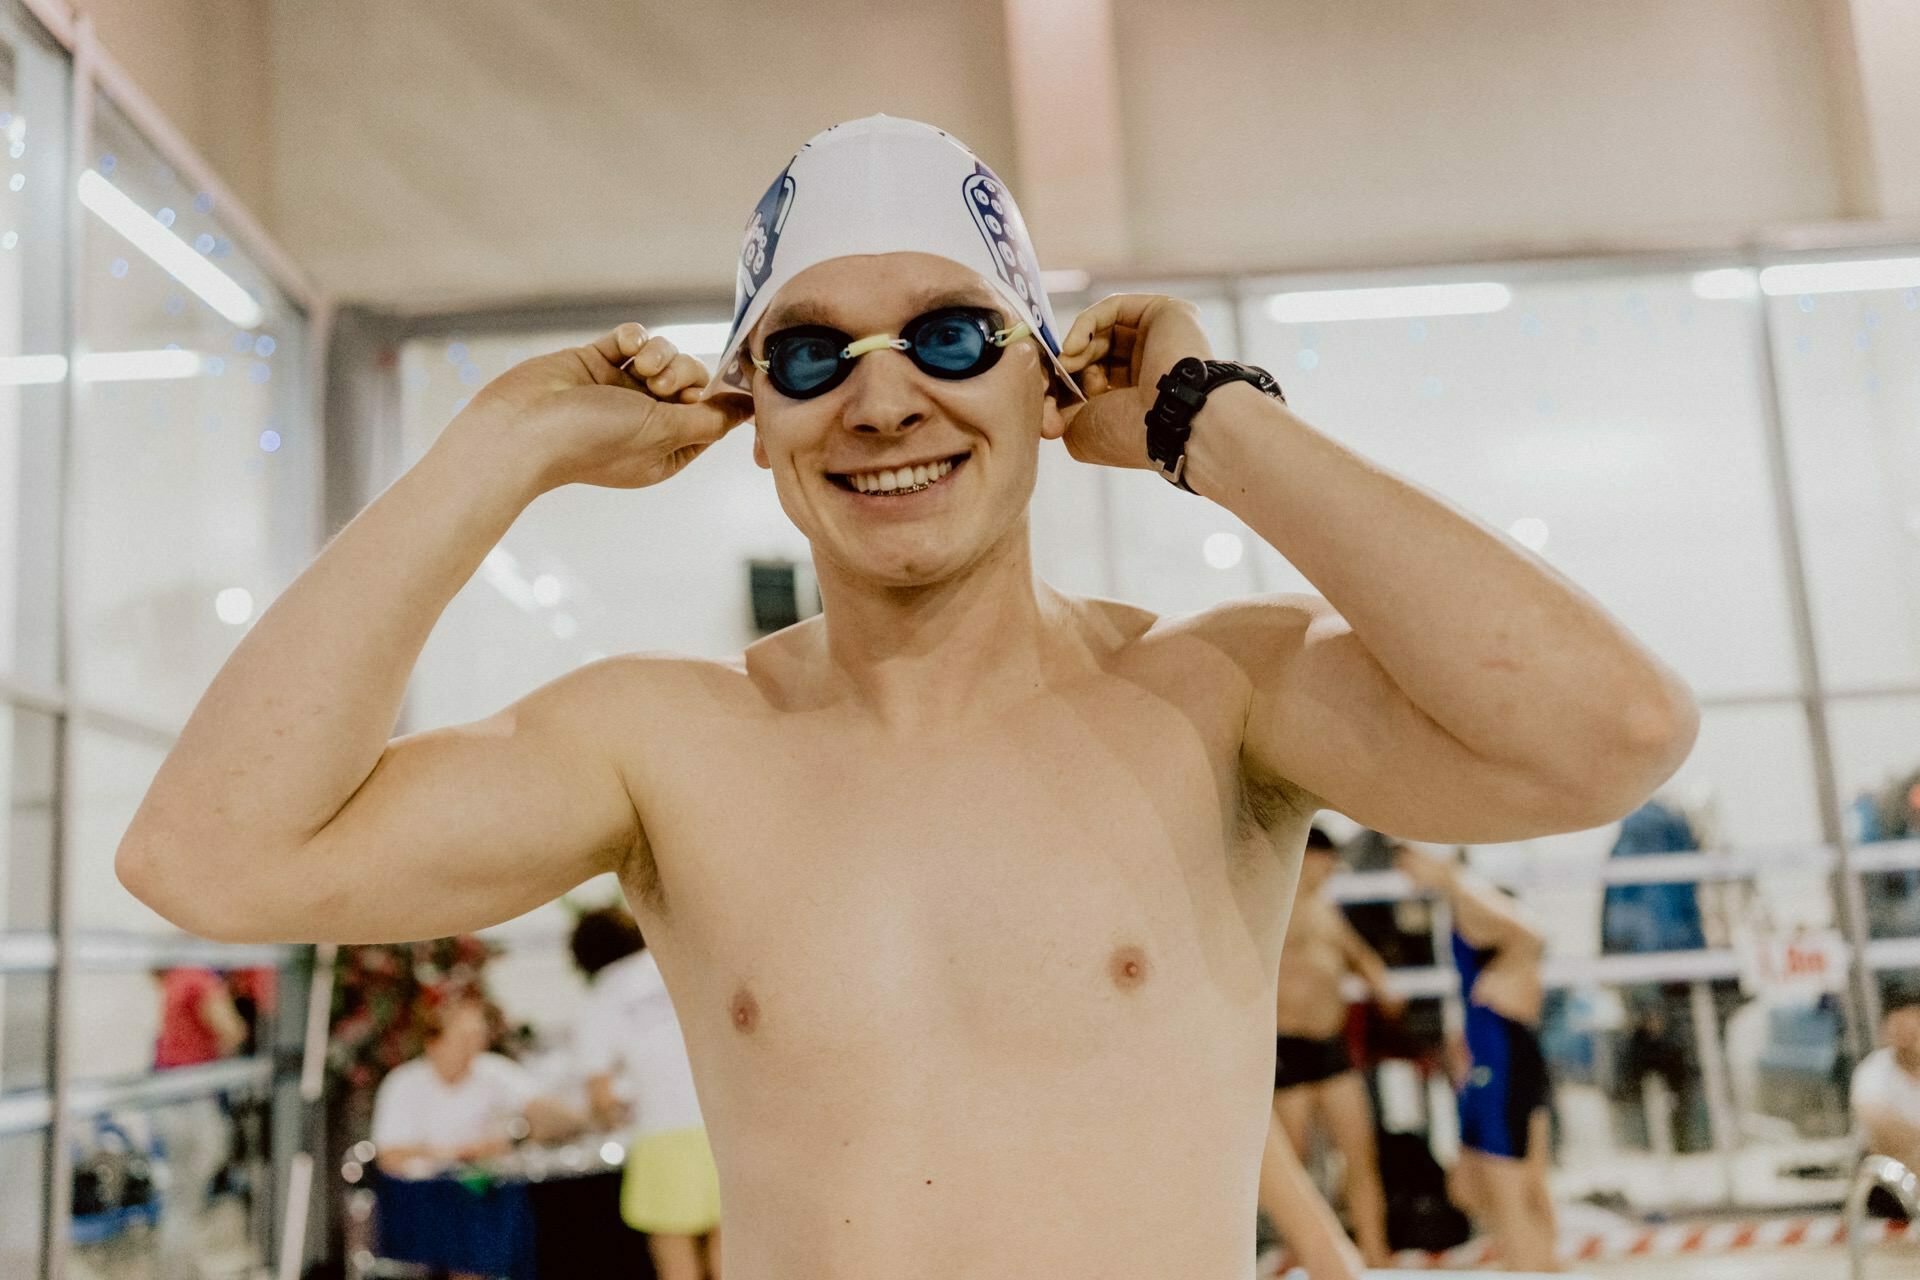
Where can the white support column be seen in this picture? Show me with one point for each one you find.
(1067, 129)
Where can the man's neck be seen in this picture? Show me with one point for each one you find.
(924, 656)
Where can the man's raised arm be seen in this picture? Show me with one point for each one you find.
(1451, 686)
(284, 813)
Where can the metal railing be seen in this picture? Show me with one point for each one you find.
(1898, 1181)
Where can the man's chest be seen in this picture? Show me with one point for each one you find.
(1079, 857)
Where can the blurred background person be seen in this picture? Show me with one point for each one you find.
(1886, 1088)
(459, 1103)
(198, 1024)
(1307, 1225)
(1504, 1088)
(638, 1079)
(1315, 1076)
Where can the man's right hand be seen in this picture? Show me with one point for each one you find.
(621, 411)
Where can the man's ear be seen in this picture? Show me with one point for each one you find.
(760, 450)
(1056, 405)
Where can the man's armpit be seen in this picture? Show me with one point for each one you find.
(1271, 806)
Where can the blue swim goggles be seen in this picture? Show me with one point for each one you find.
(953, 342)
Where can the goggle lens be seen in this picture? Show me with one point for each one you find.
(954, 342)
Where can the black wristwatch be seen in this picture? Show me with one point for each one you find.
(1183, 389)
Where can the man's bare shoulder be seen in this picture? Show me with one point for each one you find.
(642, 689)
(1223, 657)
(1109, 626)
(1237, 644)
(1255, 631)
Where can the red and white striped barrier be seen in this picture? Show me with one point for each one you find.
(1671, 1240)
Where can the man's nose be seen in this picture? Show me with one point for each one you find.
(884, 395)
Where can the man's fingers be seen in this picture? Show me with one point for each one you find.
(1113, 311)
(622, 342)
(682, 371)
(702, 422)
(1089, 322)
(1090, 353)
(652, 359)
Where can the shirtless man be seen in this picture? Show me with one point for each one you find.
(970, 893)
(1314, 1076)
(1504, 1089)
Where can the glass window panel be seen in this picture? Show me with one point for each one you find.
(1876, 749)
(1070, 548)
(24, 1019)
(1787, 1069)
(34, 97)
(23, 1178)
(588, 571)
(1175, 552)
(195, 449)
(114, 1021)
(1746, 785)
(1751, 773)
(13, 209)
(27, 746)
(117, 1018)
(110, 776)
(1849, 372)
(1615, 420)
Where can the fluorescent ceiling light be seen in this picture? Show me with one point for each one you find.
(137, 366)
(1841, 277)
(101, 366)
(28, 371)
(175, 256)
(1726, 284)
(1403, 303)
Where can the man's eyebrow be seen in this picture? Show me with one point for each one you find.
(810, 311)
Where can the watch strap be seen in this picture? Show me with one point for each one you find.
(1182, 393)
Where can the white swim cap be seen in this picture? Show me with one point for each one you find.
(884, 185)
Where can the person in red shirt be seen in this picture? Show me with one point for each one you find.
(198, 1020)
(198, 1024)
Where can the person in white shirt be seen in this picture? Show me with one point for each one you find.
(1886, 1088)
(631, 1050)
(457, 1102)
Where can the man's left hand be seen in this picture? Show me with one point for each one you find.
(1117, 350)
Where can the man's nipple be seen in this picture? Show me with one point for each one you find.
(744, 1011)
(1128, 968)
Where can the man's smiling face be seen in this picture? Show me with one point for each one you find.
(977, 437)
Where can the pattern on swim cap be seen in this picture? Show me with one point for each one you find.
(999, 223)
(756, 259)
(762, 238)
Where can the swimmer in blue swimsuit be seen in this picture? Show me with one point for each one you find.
(1502, 1173)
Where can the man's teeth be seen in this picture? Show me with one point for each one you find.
(901, 480)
